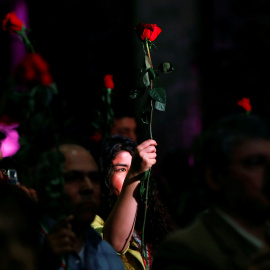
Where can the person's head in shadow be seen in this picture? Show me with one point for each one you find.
(69, 183)
(233, 159)
(19, 229)
(124, 123)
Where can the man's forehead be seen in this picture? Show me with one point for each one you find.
(125, 121)
(78, 158)
(70, 147)
(253, 147)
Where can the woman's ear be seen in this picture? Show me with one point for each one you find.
(211, 180)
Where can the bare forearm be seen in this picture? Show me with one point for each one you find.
(119, 226)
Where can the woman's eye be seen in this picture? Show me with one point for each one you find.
(121, 170)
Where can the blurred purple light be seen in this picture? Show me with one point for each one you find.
(17, 46)
(10, 145)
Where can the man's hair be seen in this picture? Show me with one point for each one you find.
(120, 115)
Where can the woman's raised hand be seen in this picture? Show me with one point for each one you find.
(143, 158)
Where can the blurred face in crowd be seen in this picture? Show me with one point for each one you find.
(125, 126)
(121, 165)
(246, 187)
(81, 182)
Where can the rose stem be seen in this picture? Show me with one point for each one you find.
(148, 176)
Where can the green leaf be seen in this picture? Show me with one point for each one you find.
(143, 181)
(33, 91)
(31, 104)
(109, 117)
(142, 189)
(19, 98)
(146, 108)
(47, 97)
(109, 91)
(158, 94)
(160, 106)
(146, 80)
(145, 116)
(56, 181)
(136, 93)
(38, 121)
(54, 88)
(97, 123)
(55, 195)
(166, 67)
(147, 104)
(155, 81)
(152, 74)
(148, 63)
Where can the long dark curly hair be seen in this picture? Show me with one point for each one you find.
(107, 151)
(158, 221)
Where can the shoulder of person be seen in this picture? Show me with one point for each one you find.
(98, 224)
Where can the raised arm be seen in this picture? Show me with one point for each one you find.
(120, 224)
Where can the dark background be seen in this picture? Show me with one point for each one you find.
(82, 41)
(220, 51)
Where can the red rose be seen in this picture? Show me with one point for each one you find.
(97, 136)
(108, 81)
(12, 23)
(33, 69)
(146, 30)
(245, 103)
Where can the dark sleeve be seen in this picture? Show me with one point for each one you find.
(47, 259)
(177, 256)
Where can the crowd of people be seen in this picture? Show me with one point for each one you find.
(94, 202)
(95, 219)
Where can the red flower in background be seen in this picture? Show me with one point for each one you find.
(146, 30)
(245, 103)
(7, 120)
(97, 136)
(12, 23)
(33, 69)
(108, 81)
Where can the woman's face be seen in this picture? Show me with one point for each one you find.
(121, 165)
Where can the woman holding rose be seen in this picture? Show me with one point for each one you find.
(122, 164)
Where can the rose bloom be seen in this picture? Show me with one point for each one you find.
(108, 81)
(245, 103)
(12, 23)
(146, 30)
(33, 69)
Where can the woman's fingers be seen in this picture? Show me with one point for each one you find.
(144, 157)
(151, 156)
(146, 144)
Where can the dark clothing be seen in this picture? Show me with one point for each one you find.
(210, 243)
(96, 254)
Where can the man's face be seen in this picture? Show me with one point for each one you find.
(125, 126)
(247, 185)
(81, 182)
